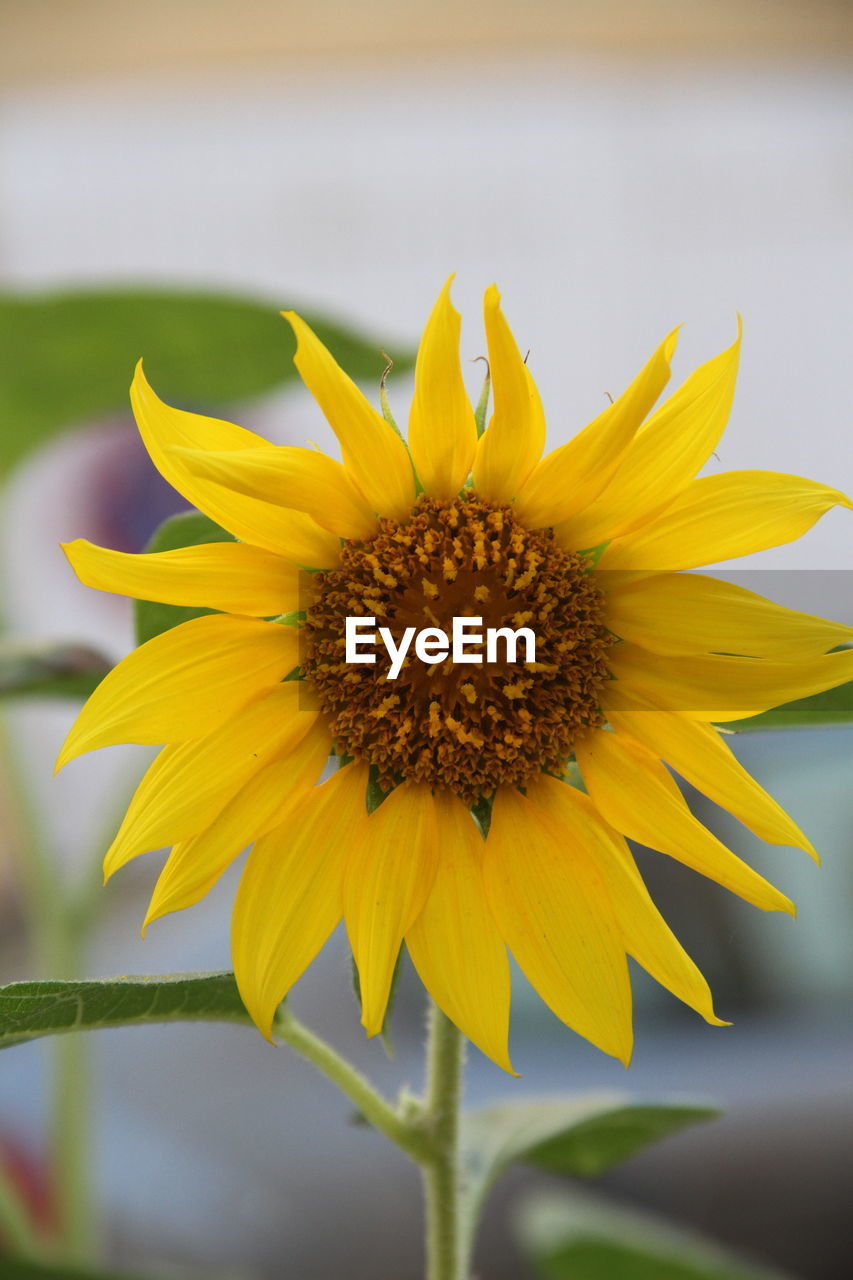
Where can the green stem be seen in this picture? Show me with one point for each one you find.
(445, 1058)
(375, 1109)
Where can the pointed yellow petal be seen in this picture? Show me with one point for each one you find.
(292, 477)
(231, 576)
(636, 794)
(388, 877)
(717, 517)
(680, 613)
(189, 785)
(570, 478)
(698, 753)
(455, 944)
(290, 898)
(442, 430)
(373, 453)
(291, 534)
(184, 683)
(645, 933)
(664, 456)
(509, 449)
(555, 915)
(719, 688)
(194, 865)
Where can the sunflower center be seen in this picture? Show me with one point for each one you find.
(466, 727)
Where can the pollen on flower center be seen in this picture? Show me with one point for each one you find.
(467, 728)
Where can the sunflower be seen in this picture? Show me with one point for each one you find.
(476, 808)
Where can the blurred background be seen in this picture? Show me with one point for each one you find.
(618, 168)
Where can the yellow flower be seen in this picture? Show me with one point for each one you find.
(635, 660)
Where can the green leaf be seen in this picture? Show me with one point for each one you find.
(833, 707)
(585, 1239)
(69, 357)
(582, 1135)
(29, 1010)
(52, 670)
(185, 530)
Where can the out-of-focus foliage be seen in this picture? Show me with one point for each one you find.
(53, 669)
(67, 358)
(31, 1269)
(585, 1239)
(582, 1136)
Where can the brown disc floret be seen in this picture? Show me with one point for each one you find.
(465, 727)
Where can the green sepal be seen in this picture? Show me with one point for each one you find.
(29, 1010)
(593, 554)
(481, 810)
(188, 529)
(293, 619)
(50, 670)
(482, 408)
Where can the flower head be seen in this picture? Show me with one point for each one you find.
(453, 822)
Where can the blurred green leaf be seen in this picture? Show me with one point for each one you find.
(50, 670)
(585, 1239)
(581, 1136)
(69, 357)
(184, 530)
(30, 1269)
(29, 1010)
(833, 707)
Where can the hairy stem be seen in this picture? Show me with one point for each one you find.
(441, 1173)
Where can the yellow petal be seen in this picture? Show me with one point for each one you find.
(573, 476)
(290, 898)
(373, 453)
(284, 474)
(388, 877)
(194, 865)
(717, 517)
(719, 688)
(291, 534)
(636, 794)
(645, 933)
(231, 576)
(455, 944)
(442, 430)
(184, 683)
(680, 613)
(698, 753)
(664, 456)
(555, 915)
(511, 446)
(189, 785)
